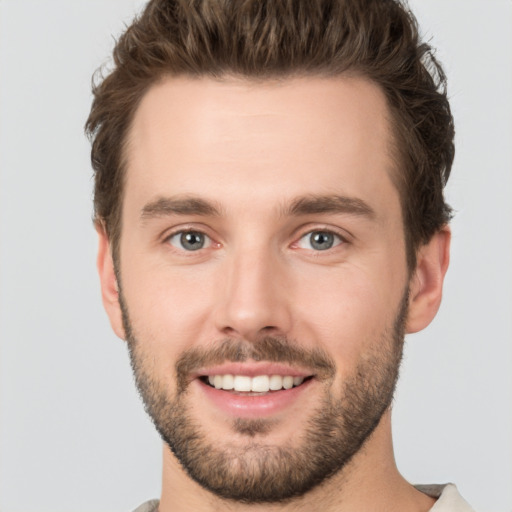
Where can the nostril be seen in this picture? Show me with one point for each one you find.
(229, 331)
(245, 331)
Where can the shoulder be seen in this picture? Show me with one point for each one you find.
(148, 506)
(448, 498)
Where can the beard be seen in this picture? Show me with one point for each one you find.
(260, 472)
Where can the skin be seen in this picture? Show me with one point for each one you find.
(236, 143)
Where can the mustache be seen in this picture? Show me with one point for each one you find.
(270, 348)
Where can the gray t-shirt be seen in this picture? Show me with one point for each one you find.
(448, 499)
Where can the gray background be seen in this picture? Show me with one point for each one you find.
(73, 436)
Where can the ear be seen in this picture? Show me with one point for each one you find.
(108, 282)
(426, 287)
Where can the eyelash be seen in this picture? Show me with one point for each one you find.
(186, 231)
(339, 239)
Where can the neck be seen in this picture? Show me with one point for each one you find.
(370, 481)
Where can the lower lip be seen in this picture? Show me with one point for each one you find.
(253, 406)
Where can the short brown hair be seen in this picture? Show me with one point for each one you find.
(375, 39)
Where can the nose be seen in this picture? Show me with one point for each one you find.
(254, 298)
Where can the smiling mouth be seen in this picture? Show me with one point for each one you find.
(254, 385)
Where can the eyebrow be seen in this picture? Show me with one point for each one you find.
(166, 206)
(305, 205)
(330, 204)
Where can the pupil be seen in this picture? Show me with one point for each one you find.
(322, 241)
(192, 241)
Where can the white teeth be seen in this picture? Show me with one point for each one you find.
(297, 381)
(242, 383)
(288, 382)
(217, 381)
(228, 382)
(259, 384)
(276, 382)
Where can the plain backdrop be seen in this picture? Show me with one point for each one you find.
(73, 435)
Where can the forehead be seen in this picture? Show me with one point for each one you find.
(242, 140)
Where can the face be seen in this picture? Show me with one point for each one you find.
(263, 277)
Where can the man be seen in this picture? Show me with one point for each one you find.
(269, 204)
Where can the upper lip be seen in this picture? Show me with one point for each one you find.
(252, 369)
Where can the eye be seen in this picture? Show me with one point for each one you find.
(189, 240)
(319, 240)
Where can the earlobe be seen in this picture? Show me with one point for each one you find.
(426, 286)
(108, 282)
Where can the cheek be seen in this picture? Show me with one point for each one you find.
(168, 307)
(348, 312)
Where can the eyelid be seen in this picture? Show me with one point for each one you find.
(183, 228)
(338, 240)
(178, 230)
(303, 231)
(207, 240)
